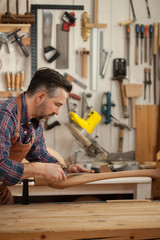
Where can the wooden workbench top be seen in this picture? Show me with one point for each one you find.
(112, 220)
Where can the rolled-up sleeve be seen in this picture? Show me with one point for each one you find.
(10, 171)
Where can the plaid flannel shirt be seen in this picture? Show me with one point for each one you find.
(11, 171)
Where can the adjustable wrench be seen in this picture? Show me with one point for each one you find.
(108, 55)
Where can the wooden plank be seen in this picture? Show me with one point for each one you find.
(119, 221)
(7, 94)
(12, 27)
(146, 134)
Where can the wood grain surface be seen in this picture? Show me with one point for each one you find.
(112, 220)
(146, 132)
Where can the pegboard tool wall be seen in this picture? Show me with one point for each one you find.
(111, 12)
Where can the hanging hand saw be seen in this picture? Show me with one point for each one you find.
(50, 53)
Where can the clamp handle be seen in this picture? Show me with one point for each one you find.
(18, 40)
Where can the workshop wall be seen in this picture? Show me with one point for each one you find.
(110, 12)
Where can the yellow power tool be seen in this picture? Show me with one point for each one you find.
(89, 122)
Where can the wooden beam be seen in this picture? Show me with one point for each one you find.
(7, 94)
(12, 27)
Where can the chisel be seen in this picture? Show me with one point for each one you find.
(21, 80)
(145, 42)
(142, 39)
(17, 81)
(155, 48)
(150, 43)
(13, 81)
(137, 43)
(8, 81)
(128, 42)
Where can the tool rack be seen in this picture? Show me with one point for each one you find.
(8, 28)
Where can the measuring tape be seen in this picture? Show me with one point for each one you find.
(34, 8)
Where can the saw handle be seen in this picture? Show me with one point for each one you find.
(54, 56)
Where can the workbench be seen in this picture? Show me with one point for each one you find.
(140, 187)
(116, 220)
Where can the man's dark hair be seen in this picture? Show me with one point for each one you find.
(49, 80)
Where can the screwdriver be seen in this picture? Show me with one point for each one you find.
(137, 43)
(145, 42)
(149, 83)
(128, 42)
(150, 43)
(145, 82)
(142, 39)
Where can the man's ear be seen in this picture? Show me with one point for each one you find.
(40, 97)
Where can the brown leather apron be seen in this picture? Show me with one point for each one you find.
(18, 151)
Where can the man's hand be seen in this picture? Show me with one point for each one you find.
(76, 168)
(52, 172)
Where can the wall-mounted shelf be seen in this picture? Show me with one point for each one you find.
(12, 27)
(7, 94)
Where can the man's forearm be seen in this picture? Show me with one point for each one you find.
(33, 169)
(50, 171)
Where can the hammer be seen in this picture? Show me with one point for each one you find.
(122, 126)
(84, 53)
(123, 97)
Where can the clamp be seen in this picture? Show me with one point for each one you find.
(4, 39)
(106, 107)
(19, 41)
